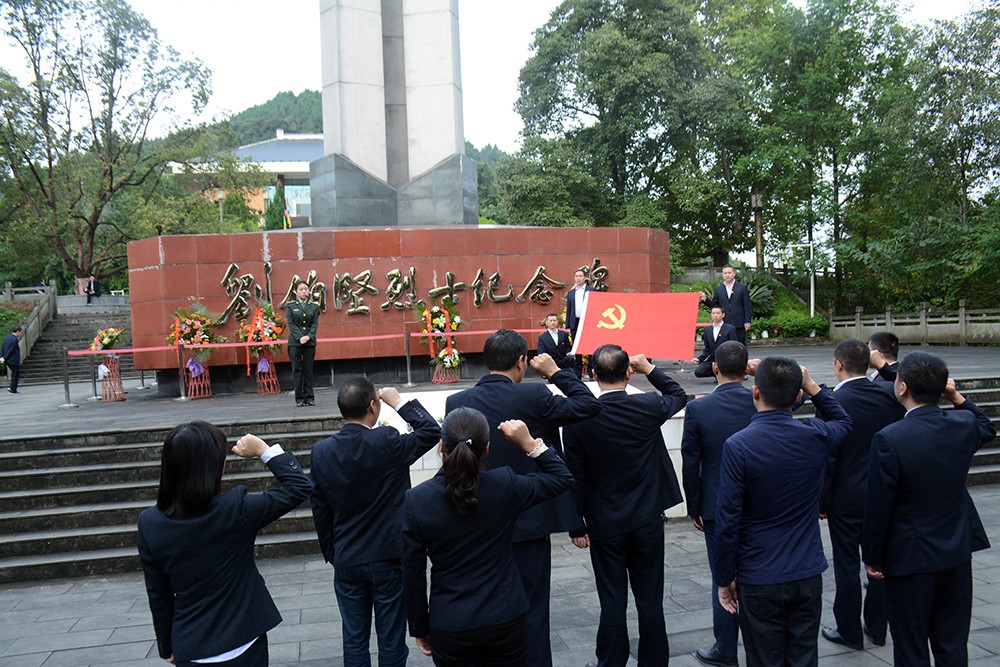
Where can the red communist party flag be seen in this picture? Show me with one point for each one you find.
(657, 325)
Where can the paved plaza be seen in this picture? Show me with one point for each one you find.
(104, 620)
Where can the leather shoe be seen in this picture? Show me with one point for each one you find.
(310, 402)
(832, 635)
(711, 656)
(300, 404)
(878, 641)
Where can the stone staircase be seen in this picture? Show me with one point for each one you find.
(75, 332)
(68, 505)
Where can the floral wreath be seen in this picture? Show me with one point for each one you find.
(440, 320)
(194, 326)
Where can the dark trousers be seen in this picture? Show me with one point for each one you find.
(14, 370)
(302, 370)
(635, 558)
(704, 369)
(780, 622)
(534, 564)
(360, 589)
(741, 332)
(255, 656)
(845, 536)
(725, 625)
(934, 606)
(503, 645)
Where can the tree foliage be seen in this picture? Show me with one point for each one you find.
(301, 114)
(77, 129)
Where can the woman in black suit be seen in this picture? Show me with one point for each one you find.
(196, 548)
(463, 519)
(303, 320)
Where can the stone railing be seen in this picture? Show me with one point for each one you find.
(964, 326)
(45, 309)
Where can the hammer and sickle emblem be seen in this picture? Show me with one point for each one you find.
(617, 322)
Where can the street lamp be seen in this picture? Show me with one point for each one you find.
(221, 197)
(757, 205)
(812, 276)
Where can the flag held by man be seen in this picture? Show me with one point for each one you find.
(657, 325)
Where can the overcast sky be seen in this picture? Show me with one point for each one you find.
(257, 48)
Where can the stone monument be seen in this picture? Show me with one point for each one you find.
(393, 135)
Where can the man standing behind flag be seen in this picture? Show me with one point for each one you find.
(623, 481)
(574, 310)
(501, 396)
(734, 297)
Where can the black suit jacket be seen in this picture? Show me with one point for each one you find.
(558, 351)
(573, 317)
(474, 580)
(919, 517)
(205, 592)
(622, 471)
(497, 397)
(737, 308)
(871, 409)
(11, 350)
(726, 332)
(708, 422)
(360, 475)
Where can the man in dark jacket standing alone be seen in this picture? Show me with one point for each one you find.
(10, 354)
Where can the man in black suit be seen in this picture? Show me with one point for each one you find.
(555, 342)
(361, 474)
(920, 525)
(10, 354)
(714, 336)
(500, 396)
(574, 309)
(708, 422)
(734, 297)
(624, 481)
(843, 502)
(887, 345)
(93, 288)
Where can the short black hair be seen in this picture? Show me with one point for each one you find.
(354, 397)
(191, 465)
(886, 343)
(727, 265)
(548, 315)
(731, 357)
(779, 380)
(503, 348)
(925, 375)
(854, 355)
(610, 364)
(16, 329)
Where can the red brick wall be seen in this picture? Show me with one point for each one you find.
(169, 272)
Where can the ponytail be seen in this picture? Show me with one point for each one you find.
(465, 436)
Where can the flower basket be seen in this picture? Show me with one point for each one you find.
(109, 372)
(111, 379)
(264, 326)
(440, 321)
(195, 326)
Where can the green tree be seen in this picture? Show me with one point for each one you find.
(76, 132)
(274, 215)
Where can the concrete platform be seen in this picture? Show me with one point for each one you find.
(105, 621)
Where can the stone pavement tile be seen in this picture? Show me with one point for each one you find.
(307, 601)
(570, 586)
(133, 633)
(17, 617)
(695, 571)
(571, 572)
(67, 640)
(689, 587)
(304, 632)
(54, 612)
(980, 593)
(27, 660)
(120, 620)
(58, 600)
(99, 655)
(320, 649)
(284, 590)
(693, 601)
(852, 659)
(15, 631)
(985, 615)
(282, 653)
(988, 639)
(152, 661)
(560, 619)
(988, 575)
(689, 620)
(327, 614)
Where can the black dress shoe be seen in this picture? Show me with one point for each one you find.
(832, 635)
(878, 641)
(300, 404)
(310, 401)
(711, 656)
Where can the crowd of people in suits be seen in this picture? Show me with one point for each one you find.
(880, 462)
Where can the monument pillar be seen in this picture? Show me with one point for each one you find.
(392, 117)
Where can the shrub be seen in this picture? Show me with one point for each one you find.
(791, 325)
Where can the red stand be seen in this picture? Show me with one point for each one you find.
(267, 382)
(444, 375)
(111, 383)
(198, 387)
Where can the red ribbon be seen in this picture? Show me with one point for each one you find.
(430, 333)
